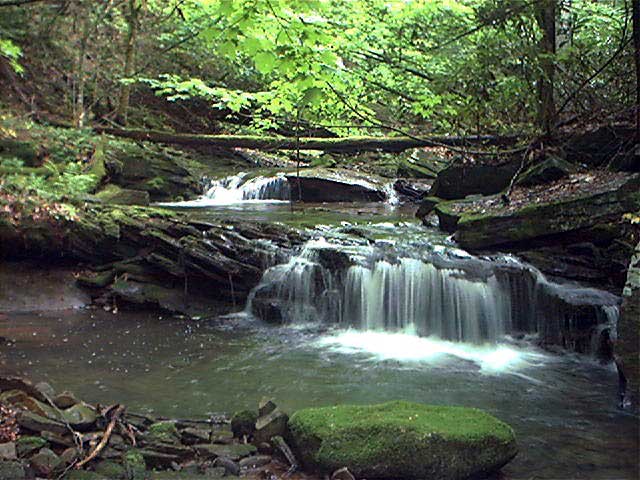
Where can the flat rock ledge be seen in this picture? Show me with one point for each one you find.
(402, 440)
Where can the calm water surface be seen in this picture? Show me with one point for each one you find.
(563, 408)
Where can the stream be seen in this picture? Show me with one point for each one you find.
(350, 322)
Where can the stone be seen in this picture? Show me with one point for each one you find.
(427, 205)
(459, 180)
(243, 423)
(402, 440)
(255, 461)
(215, 472)
(163, 432)
(13, 397)
(336, 185)
(233, 452)
(342, 474)
(44, 462)
(170, 448)
(155, 459)
(547, 171)
(37, 423)
(134, 465)
(191, 436)
(111, 469)
(265, 448)
(17, 383)
(45, 389)
(627, 345)
(266, 406)
(12, 470)
(115, 195)
(26, 444)
(231, 467)
(65, 400)
(271, 425)
(80, 416)
(84, 475)
(69, 456)
(222, 436)
(56, 439)
(8, 451)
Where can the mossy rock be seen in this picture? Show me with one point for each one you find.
(134, 465)
(115, 195)
(28, 444)
(402, 440)
(547, 171)
(163, 432)
(243, 423)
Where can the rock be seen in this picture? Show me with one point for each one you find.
(45, 389)
(17, 383)
(111, 469)
(265, 448)
(222, 436)
(271, 425)
(336, 185)
(233, 452)
(154, 459)
(26, 445)
(460, 180)
(231, 467)
(266, 406)
(191, 436)
(44, 462)
(170, 448)
(215, 472)
(628, 342)
(65, 400)
(57, 439)
(243, 423)
(115, 195)
(537, 221)
(37, 423)
(85, 475)
(342, 474)
(402, 440)
(69, 456)
(8, 451)
(427, 206)
(134, 465)
(80, 416)
(547, 171)
(255, 461)
(597, 147)
(12, 471)
(163, 432)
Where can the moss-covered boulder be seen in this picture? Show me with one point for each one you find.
(115, 195)
(402, 440)
(549, 170)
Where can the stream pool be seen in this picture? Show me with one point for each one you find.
(563, 407)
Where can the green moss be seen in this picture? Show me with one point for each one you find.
(163, 431)
(243, 423)
(402, 440)
(111, 469)
(134, 465)
(28, 444)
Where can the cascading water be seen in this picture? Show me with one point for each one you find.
(445, 294)
(238, 188)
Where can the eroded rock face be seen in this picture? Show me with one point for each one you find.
(335, 185)
(629, 328)
(402, 440)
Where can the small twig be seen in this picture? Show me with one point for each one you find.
(105, 438)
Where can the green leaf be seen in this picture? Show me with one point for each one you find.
(265, 62)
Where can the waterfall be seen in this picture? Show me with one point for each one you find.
(449, 295)
(239, 188)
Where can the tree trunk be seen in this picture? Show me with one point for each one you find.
(546, 16)
(636, 44)
(129, 60)
(347, 144)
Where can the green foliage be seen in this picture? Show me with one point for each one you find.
(12, 53)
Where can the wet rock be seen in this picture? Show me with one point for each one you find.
(271, 425)
(266, 406)
(44, 462)
(80, 416)
(335, 185)
(65, 400)
(215, 472)
(115, 195)
(427, 205)
(37, 423)
(57, 439)
(85, 475)
(191, 436)
(8, 451)
(233, 452)
(45, 389)
(163, 432)
(170, 448)
(459, 180)
(243, 423)
(17, 383)
(134, 465)
(231, 467)
(69, 456)
(402, 440)
(265, 448)
(255, 461)
(26, 444)
(342, 474)
(12, 470)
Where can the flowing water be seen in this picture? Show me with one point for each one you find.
(374, 307)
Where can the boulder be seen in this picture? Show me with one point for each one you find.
(335, 185)
(597, 147)
(243, 423)
(270, 425)
(12, 471)
(17, 383)
(402, 440)
(255, 461)
(233, 452)
(80, 416)
(26, 444)
(37, 423)
(266, 406)
(427, 205)
(191, 436)
(460, 180)
(627, 346)
(65, 400)
(546, 171)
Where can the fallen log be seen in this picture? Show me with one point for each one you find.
(336, 145)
